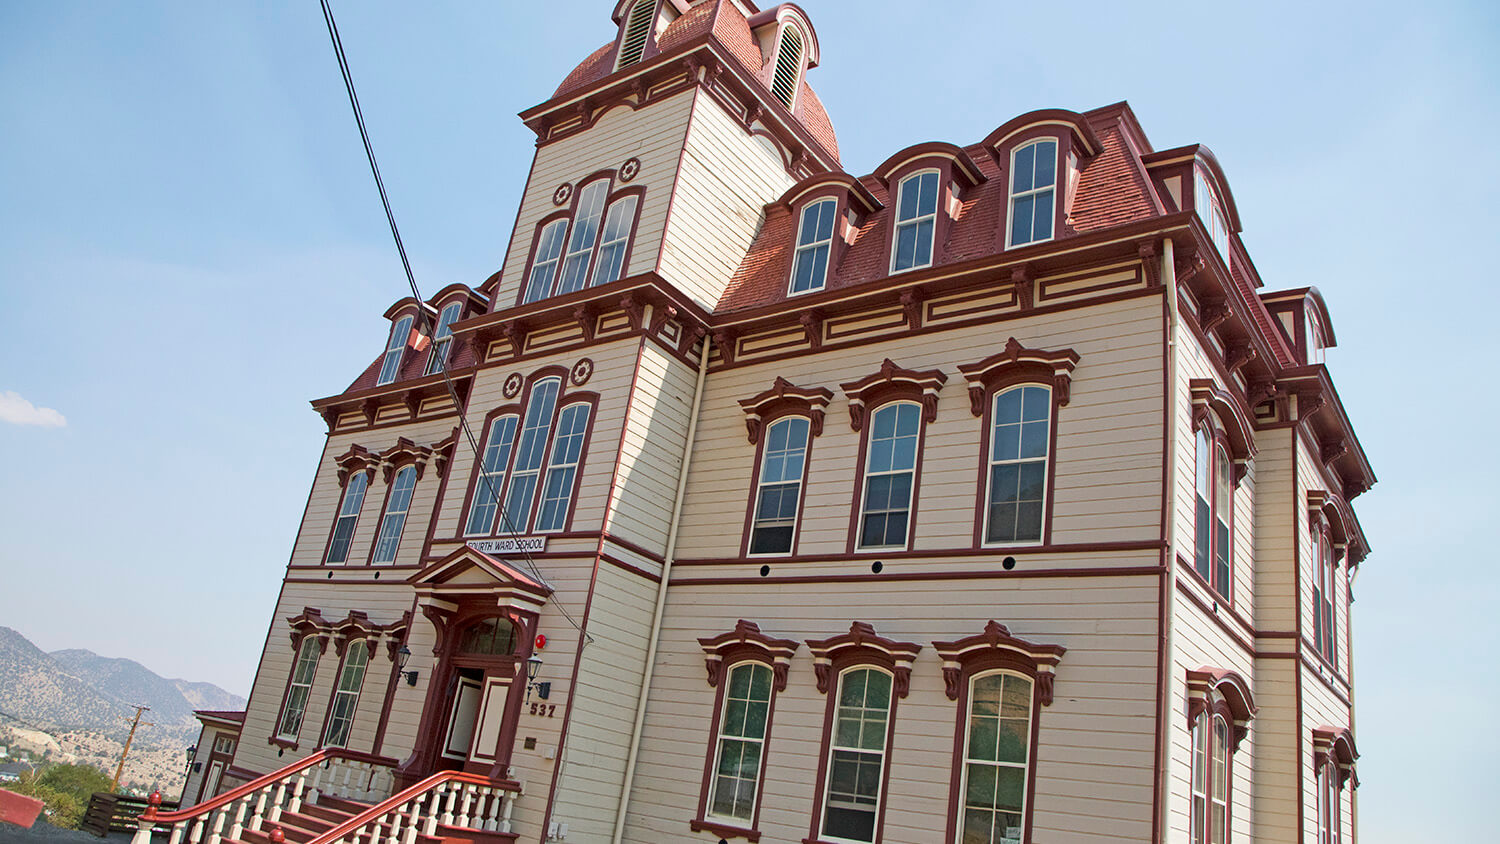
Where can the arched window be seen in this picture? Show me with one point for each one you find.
(530, 454)
(1213, 506)
(493, 636)
(788, 66)
(298, 688)
(814, 245)
(544, 265)
(442, 338)
(997, 742)
(594, 252)
(491, 476)
(857, 755)
(741, 743)
(1210, 783)
(1324, 566)
(779, 488)
(585, 235)
(1330, 804)
(397, 504)
(618, 224)
(395, 350)
(637, 33)
(1033, 192)
(348, 518)
(890, 475)
(916, 218)
(562, 467)
(346, 695)
(1020, 442)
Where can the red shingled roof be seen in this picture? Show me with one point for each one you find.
(1112, 189)
(415, 364)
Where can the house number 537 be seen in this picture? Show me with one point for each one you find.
(545, 710)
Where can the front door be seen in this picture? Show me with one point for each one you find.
(462, 718)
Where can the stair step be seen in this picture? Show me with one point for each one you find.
(340, 804)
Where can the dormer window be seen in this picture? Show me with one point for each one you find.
(395, 349)
(1314, 340)
(1033, 192)
(916, 216)
(1212, 214)
(442, 338)
(637, 33)
(788, 66)
(814, 244)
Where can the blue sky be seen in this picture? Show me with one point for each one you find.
(191, 248)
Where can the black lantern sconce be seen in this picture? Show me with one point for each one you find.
(411, 676)
(192, 751)
(543, 690)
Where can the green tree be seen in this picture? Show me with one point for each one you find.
(65, 789)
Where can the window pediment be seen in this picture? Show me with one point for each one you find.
(356, 459)
(784, 399)
(1336, 744)
(1240, 433)
(1331, 508)
(997, 648)
(1212, 688)
(746, 641)
(862, 645)
(309, 622)
(1017, 364)
(950, 160)
(890, 383)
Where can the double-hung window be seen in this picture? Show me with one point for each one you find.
(740, 744)
(1213, 502)
(996, 759)
(1211, 214)
(618, 224)
(1020, 439)
(544, 266)
(916, 219)
(1323, 593)
(346, 696)
(562, 467)
(814, 246)
(1330, 804)
(398, 503)
(857, 748)
(348, 518)
(585, 235)
(298, 689)
(491, 478)
(442, 338)
(1210, 780)
(890, 475)
(779, 491)
(1033, 192)
(587, 250)
(395, 351)
(530, 455)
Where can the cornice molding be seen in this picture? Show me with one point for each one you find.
(1017, 364)
(893, 382)
(784, 398)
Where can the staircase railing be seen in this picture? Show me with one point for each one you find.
(341, 773)
(452, 799)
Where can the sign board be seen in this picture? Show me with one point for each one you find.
(510, 545)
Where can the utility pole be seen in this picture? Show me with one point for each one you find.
(114, 784)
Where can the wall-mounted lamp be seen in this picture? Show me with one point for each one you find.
(543, 690)
(411, 676)
(192, 750)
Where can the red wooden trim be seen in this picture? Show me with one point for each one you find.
(815, 428)
(944, 553)
(969, 574)
(856, 513)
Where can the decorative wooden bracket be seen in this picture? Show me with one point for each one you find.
(782, 399)
(1017, 364)
(1021, 283)
(911, 305)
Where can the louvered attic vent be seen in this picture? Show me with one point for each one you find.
(637, 28)
(788, 64)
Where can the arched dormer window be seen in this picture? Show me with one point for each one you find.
(827, 208)
(927, 183)
(1033, 192)
(814, 246)
(395, 350)
(916, 220)
(493, 636)
(637, 33)
(442, 338)
(1040, 155)
(788, 75)
(1211, 211)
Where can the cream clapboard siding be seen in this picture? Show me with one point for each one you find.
(1108, 475)
(614, 368)
(650, 452)
(727, 178)
(653, 134)
(1308, 479)
(1095, 756)
(205, 745)
(1276, 521)
(383, 603)
(1277, 743)
(327, 496)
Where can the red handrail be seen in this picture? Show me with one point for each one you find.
(394, 801)
(260, 782)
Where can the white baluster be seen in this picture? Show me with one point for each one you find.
(492, 817)
(177, 830)
(260, 807)
(241, 806)
(463, 806)
(196, 834)
(434, 808)
(448, 808)
(510, 804)
(218, 829)
(295, 805)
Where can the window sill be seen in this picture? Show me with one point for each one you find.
(724, 830)
(285, 744)
(1186, 565)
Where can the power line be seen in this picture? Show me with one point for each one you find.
(424, 325)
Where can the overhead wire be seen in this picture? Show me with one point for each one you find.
(424, 326)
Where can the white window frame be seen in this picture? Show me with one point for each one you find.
(350, 505)
(723, 737)
(566, 454)
(582, 242)
(807, 248)
(967, 760)
(442, 338)
(308, 654)
(614, 234)
(534, 437)
(1033, 191)
(1211, 212)
(395, 351)
(1045, 460)
(393, 523)
(1209, 782)
(918, 219)
(549, 249)
(757, 521)
(490, 479)
(351, 681)
(911, 493)
(834, 747)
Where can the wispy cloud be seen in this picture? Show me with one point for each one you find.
(16, 410)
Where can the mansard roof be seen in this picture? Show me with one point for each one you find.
(721, 23)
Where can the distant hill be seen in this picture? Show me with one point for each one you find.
(79, 688)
